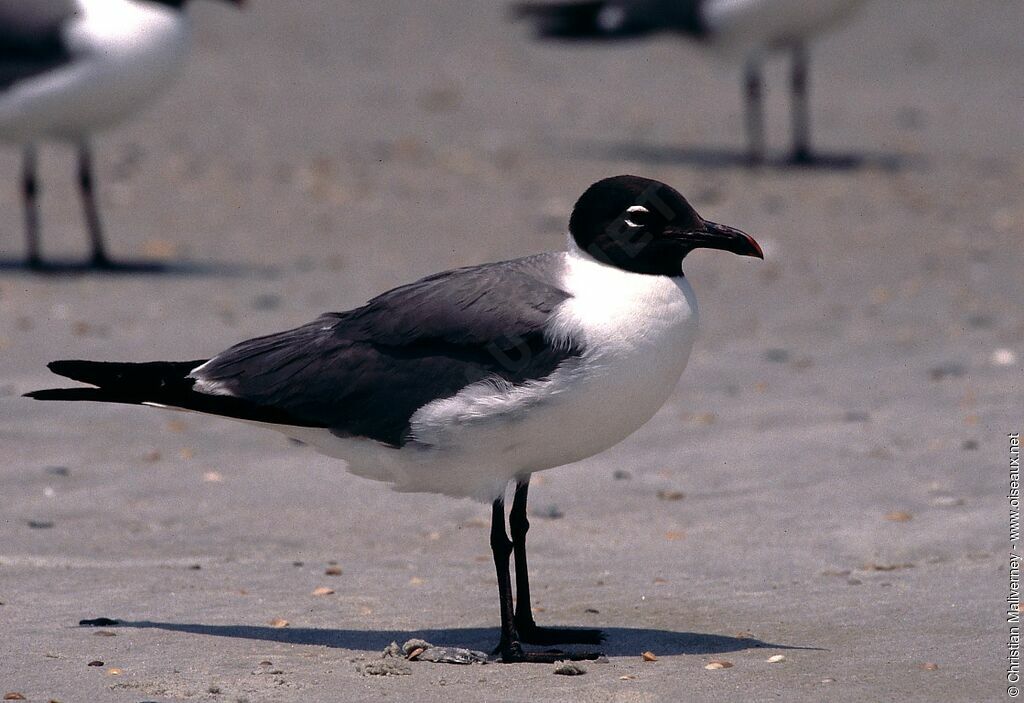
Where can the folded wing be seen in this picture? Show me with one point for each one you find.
(30, 37)
(363, 372)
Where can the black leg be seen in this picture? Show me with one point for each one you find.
(754, 99)
(519, 525)
(92, 213)
(510, 647)
(801, 106)
(527, 628)
(30, 195)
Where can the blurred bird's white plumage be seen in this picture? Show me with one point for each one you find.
(748, 29)
(746, 26)
(72, 68)
(122, 54)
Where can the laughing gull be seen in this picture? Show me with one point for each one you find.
(469, 380)
(749, 28)
(70, 68)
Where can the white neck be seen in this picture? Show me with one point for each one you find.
(610, 301)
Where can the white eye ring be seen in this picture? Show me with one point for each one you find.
(632, 209)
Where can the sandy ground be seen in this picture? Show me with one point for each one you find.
(828, 482)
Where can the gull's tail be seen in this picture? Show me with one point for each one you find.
(159, 383)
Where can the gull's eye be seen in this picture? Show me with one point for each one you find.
(636, 216)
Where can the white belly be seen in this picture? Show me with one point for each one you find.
(126, 53)
(637, 331)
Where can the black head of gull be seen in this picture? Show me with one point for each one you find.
(645, 226)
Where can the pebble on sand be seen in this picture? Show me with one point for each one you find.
(667, 494)
(386, 667)
(1004, 357)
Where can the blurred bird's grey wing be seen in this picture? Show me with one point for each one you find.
(366, 371)
(31, 40)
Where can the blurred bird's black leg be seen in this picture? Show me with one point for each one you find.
(801, 106)
(510, 647)
(86, 184)
(527, 628)
(753, 92)
(30, 194)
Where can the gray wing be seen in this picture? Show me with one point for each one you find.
(366, 371)
(31, 40)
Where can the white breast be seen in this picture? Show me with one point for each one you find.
(637, 332)
(125, 53)
(750, 25)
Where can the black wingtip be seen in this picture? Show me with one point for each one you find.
(67, 367)
(134, 376)
(65, 394)
(81, 370)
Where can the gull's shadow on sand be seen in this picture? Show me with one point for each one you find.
(131, 267)
(620, 641)
(725, 158)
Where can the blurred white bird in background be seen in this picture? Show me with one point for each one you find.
(748, 28)
(71, 68)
